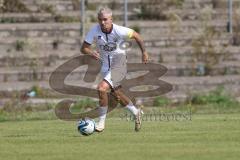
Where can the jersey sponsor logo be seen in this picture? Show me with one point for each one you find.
(108, 47)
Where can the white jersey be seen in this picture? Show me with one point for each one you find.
(109, 45)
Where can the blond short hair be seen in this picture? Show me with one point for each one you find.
(105, 10)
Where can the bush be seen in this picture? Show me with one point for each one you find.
(13, 6)
(218, 96)
(154, 9)
(65, 19)
(38, 91)
(47, 8)
(136, 28)
(161, 101)
(206, 53)
(176, 3)
(76, 4)
(20, 45)
(83, 104)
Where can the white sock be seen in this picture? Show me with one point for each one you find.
(103, 114)
(132, 108)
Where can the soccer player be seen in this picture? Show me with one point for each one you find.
(108, 38)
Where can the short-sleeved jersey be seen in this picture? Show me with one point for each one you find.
(109, 44)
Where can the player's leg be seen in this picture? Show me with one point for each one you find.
(103, 88)
(125, 101)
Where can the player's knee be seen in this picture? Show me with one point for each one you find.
(102, 89)
(116, 96)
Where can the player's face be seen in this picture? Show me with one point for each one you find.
(105, 22)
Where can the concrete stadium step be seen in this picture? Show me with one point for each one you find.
(136, 3)
(150, 28)
(39, 30)
(40, 73)
(60, 17)
(33, 102)
(192, 69)
(163, 28)
(177, 97)
(43, 58)
(74, 16)
(67, 5)
(183, 40)
(59, 5)
(111, 3)
(63, 5)
(196, 3)
(184, 54)
(39, 44)
(223, 4)
(23, 74)
(157, 54)
(198, 14)
(29, 55)
(182, 86)
(178, 39)
(190, 85)
(92, 6)
(8, 88)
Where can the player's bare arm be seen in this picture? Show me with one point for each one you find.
(86, 49)
(139, 40)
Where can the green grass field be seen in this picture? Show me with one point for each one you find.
(207, 136)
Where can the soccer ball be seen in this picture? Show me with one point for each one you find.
(86, 126)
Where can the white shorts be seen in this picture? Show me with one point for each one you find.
(116, 71)
(114, 76)
(107, 77)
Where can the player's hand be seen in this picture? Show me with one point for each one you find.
(145, 57)
(95, 55)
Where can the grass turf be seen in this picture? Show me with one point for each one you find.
(208, 136)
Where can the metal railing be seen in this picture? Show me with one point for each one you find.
(230, 17)
(82, 12)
